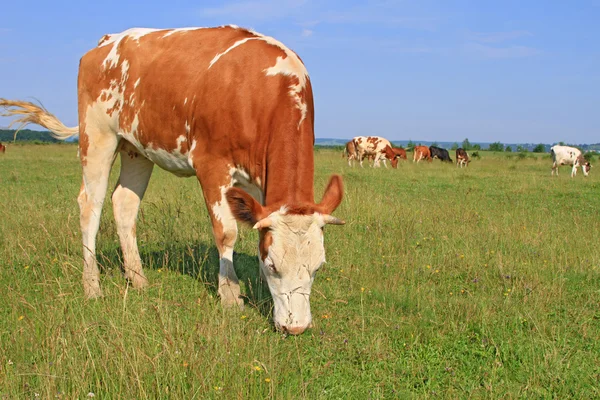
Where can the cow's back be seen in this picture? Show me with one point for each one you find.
(218, 89)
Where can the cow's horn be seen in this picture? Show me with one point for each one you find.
(263, 223)
(330, 219)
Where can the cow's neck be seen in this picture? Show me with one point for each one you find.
(289, 176)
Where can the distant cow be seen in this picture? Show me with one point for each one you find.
(439, 153)
(371, 145)
(421, 153)
(350, 152)
(2, 148)
(394, 154)
(565, 155)
(462, 158)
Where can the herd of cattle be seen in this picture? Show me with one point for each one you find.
(378, 149)
(203, 125)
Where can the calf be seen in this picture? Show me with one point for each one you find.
(371, 145)
(462, 158)
(421, 153)
(439, 153)
(565, 155)
(2, 148)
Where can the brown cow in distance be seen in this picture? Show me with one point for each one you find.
(394, 154)
(350, 152)
(462, 158)
(227, 105)
(2, 148)
(421, 153)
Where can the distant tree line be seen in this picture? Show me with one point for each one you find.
(27, 135)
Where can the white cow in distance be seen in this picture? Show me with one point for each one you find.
(371, 146)
(565, 155)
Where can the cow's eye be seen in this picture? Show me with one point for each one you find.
(270, 266)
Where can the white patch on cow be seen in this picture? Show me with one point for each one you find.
(112, 59)
(180, 30)
(233, 46)
(292, 67)
(221, 209)
(180, 140)
(185, 101)
(187, 127)
(191, 154)
(137, 82)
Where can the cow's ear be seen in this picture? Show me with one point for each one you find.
(333, 195)
(244, 207)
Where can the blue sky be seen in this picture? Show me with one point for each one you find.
(510, 71)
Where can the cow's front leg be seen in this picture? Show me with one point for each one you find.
(225, 232)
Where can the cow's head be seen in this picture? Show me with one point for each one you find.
(291, 249)
(586, 168)
(391, 155)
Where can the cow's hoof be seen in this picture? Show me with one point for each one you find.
(136, 279)
(229, 300)
(92, 292)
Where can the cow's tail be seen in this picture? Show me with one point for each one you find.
(30, 113)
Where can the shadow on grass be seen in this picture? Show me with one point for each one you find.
(200, 262)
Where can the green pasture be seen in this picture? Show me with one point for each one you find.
(481, 282)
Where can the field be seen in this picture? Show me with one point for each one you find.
(475, 283)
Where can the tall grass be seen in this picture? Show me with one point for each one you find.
(444, 282)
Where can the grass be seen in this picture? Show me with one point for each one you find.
(481, 282)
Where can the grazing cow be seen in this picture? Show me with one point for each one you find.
(371, 145)
(2, 148)
(565, 155)
(439, 153)
(462, 158)
(350, 152)
(394, 154)
(228, 105)
(421, 153)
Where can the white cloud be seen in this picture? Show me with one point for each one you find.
(307, 32)
(497, 37)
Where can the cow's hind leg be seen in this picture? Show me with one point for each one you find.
(97, 159)
(133, 181)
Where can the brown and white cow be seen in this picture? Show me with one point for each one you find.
(2, 148)
(227, 105)
(565, 155)
(462, 158)
(350, 152)
(394, 154)
(371, 146)
(421, 153)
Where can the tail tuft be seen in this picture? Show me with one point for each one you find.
(33, 114)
